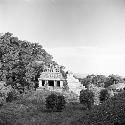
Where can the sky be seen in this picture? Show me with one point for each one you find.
(86, 36)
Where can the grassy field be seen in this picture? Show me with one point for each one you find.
(30, 110)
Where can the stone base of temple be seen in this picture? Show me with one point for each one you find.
(69, 96)
(56, 89)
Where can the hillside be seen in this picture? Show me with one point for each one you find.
(30, 110)
(112, 112)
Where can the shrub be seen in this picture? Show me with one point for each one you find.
(3, 94)
(9, 97)
(12, 95)
(51, 101)
(111, 112)
(61, 103)
(55, 102)
(87, 98)
(104, 95)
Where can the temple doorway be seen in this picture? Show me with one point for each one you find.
(58, 83)
(43, 82)
(50, 83)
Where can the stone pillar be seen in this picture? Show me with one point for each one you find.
(46, 84)
(61, 84)
(40, 83)
(55, 83)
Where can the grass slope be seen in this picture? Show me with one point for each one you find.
(30, 110)
(111, 112)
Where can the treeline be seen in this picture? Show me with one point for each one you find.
(22, 62)
(101, 80)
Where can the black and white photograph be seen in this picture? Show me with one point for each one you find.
(62, 62)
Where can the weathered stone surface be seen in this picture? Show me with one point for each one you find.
(74, 84)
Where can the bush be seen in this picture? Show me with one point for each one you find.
(51, 101)
(8, 93)
(87, 98)
(55, 102)
(61, 103)
(12, 95)
(111, 112)
(3, 94)
(2, 101)
(9, 97)
(104, 95)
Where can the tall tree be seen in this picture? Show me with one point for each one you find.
(19, 61)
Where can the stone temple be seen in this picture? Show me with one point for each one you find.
(51, 78)
(74, 85)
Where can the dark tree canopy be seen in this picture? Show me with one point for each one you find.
(19, 60)
(101, 80)
(113, 79)
(87, 80)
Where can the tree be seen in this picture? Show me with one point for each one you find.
(87, 98)
(87, 80)
(19, 61)
(104, 95)
(64, 74)
(113, 79)
(99, 80)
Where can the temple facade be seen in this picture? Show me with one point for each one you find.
(51, 78)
